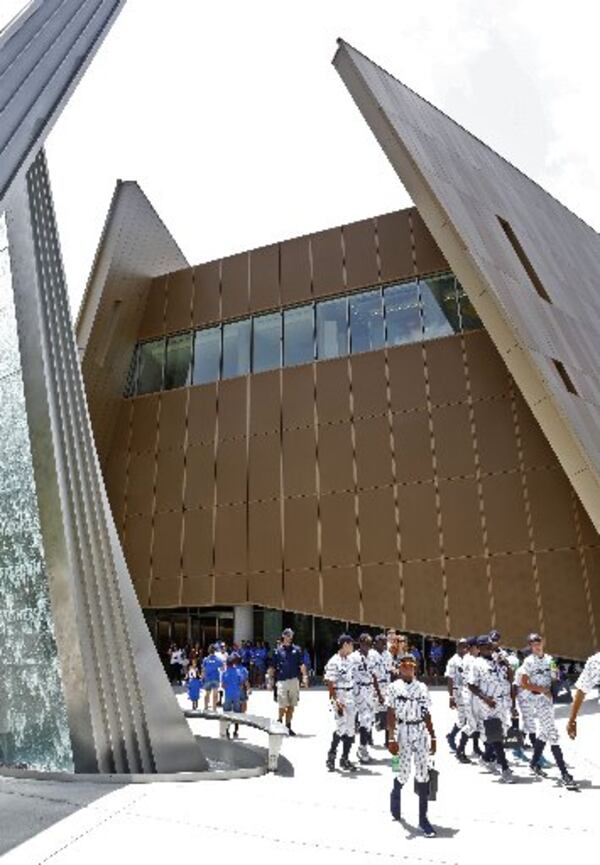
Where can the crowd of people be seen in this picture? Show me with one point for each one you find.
(227, 674)
(504, 704)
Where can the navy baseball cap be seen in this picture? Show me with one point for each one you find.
(495, 636)
(407, 658)
(534, 638)
(344, 638)
(471, 641)
(484, 640)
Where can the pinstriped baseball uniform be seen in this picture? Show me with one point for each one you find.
(411, 704)
(488, 677)
(473, 723)
(540, 673)
(454, 671)
(340, 672)
(590, 675)
(365, 667)
(524, 705)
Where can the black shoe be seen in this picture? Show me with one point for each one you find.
(347, 765)
(462, 757)
(537, 770)
(290, 731)
(568, 781)
(330, 762)
(451, 742)
(426, 828)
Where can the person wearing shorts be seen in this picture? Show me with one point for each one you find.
(211, 674)
(288, 665)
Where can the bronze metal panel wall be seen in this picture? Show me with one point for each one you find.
(414, 478)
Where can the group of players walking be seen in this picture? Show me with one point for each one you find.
(498, 698)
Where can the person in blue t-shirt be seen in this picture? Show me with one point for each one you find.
(211, 674)
(244, 678)
(232, 688)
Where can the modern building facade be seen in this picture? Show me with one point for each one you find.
(324, 427)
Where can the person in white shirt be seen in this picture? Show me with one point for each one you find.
(366, 691)
(339, 678)
(411, 737)
(454, 679)
(589, 678)
(539, 669)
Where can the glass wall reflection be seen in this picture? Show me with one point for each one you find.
(368, 320)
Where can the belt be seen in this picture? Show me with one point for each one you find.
(411, 723)
(344, 689)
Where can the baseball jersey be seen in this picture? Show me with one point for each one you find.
(340, 672)
(487, 676)
(454, 670)
(409, 700)
(365, 667)
(590, 675)
(539, 670)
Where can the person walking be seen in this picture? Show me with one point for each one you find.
(455, 682)
(366, 692)
(589, 678)
(194, 684)
(287, 667)
(211, 674)
(472, 726)
(486, 682)
(383, 675)
(411, 737)
(537, 677)
(339, 679)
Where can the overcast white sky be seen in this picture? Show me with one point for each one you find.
(240, 132)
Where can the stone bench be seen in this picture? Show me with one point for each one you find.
(274, 729)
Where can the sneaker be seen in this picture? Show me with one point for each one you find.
(462, 757)
(451, 742)
(427, 829)
(363, 755)
(537, 770)
(330, 762)
(568, 781)
(347, 765)
(508, 777)
(236, 735)
(290, 731)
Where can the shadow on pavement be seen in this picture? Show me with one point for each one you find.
(28, 807)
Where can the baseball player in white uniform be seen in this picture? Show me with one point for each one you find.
(411, 737)
(589, 678)
(538, 671)
(454, 679)
(367, 695)
(339, 678)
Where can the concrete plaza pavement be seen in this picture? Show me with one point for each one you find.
(314, 816)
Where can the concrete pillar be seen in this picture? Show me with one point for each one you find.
(243, 623)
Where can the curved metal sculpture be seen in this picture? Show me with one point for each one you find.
(120, 709)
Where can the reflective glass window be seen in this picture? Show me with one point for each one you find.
(151, 361)
(469, 319)
(178, 366)
(236, 348)
(207, 355)
(402, 313)
(332, 328)
(366, 321)
(266, 342)
(440, 310)
(299, 335)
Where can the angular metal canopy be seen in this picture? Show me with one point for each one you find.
(530, 267)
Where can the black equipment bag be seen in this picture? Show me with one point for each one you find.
(494, 731)
(432, 784)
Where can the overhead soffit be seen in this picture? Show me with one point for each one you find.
(530, 266)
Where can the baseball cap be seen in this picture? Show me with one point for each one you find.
(344, 638)
(287, 632)
(406, 658)
(484, 640)
(495, 636)
(534, 638)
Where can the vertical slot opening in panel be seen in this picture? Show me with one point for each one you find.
(522, 256)
(565, 377)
